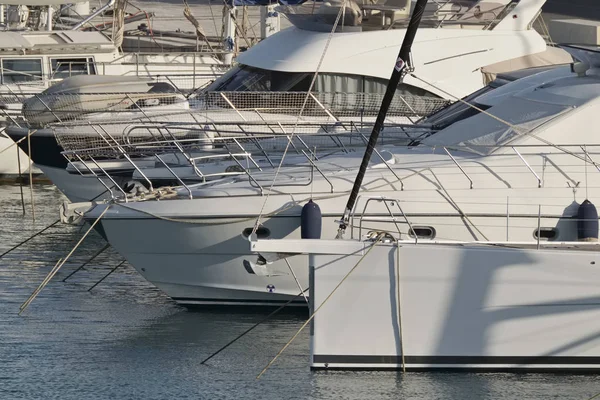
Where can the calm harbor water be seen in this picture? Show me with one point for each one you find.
(126, 340)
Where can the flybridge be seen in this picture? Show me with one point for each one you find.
(25, 43)
(394, 14)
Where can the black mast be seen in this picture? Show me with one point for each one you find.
(400, 70)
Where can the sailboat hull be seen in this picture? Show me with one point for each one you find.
(474, 307)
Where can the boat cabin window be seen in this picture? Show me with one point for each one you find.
(244, 78)
(422, 232)
(16, 70)
(65, 67)
(341, 83)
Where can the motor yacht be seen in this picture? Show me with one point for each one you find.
(502, 168)
(270, 80)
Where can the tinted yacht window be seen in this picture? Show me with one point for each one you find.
(21, 70)
(340, 91)
(244, 78)
(66, 67)
(249, 79)
(456, 111)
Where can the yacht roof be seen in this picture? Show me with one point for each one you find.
(439, 54)
(61, 42)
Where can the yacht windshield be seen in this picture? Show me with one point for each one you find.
(457, 111)
(244, 78)
(483, 134)
(335, 90)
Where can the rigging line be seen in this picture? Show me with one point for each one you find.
(106, 246)
(296, 279)
(291, 136)
(238, 29)
(29, 238)
(586, 174)
(29, 133)
(594, 396)
(379, 238)
(212, 16)
(528, 133)
(58, 265)
(255, 325)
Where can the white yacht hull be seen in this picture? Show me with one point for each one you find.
(196, 264)
(456, 307)
(201, 260)
(78, 188)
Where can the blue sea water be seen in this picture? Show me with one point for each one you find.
(126, 340)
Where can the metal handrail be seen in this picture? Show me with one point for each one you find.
(528, 167)
(461, 169)
(385, 200)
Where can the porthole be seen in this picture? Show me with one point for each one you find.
(422, 232)
(261, 232)
(545, 234)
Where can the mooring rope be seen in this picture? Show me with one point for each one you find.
(398, 302)
(58, 266)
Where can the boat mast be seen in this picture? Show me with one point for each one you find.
(400, 70)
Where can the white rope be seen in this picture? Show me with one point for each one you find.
(398, 302)
(119, 22)
(58, 265)
(314, 79)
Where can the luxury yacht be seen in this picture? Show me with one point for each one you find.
(514, 162)
(271, 79)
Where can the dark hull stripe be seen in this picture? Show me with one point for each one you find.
(521, 370)
(300, 302)
(459, 360)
